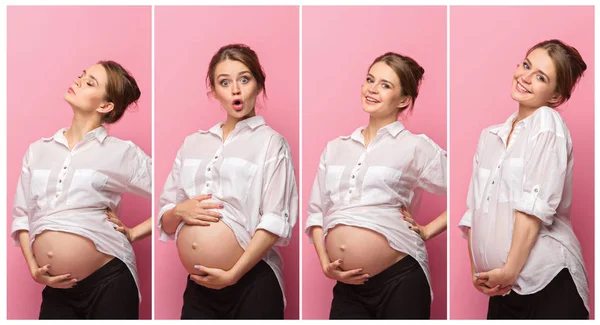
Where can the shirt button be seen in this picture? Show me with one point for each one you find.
(352, 176)
(65, 167)
(498, 166)
(60, 181)
(57, 195)
(216, 157)
(492, 182)
(350, 191)
(359, 164)
(536, 190)
(488, 198)
(207, 184)
(208, 169)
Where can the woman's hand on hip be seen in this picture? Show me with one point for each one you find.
(414, 226)
(63, 281)
(333, 271)
(197, 212)
(118, 225)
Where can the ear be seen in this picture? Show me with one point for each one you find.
(213, 93)
(405, 102)
(105, 108)
(555, 99)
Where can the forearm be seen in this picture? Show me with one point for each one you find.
(317, 235)
(473, 271)
(437, 226)
(259, 245)
(142, 230)
(170, 221)
(26, 250)
(525, 232)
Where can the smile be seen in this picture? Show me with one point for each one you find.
(522, 89)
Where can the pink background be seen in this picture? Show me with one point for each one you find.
(186, 39)
(48, 47)
(339, 44)
(483, 57)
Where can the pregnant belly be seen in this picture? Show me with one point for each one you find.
(212, 246)
(360, 248)
(68, 253)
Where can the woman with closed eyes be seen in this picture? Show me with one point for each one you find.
(230, 198)
(69, 182)
(368, 184)
(524, 253)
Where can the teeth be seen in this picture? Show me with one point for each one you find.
(369, 99)
(522, 88)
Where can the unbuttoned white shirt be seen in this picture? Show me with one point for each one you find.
(68, 190)
(366, 186)
(532, 174)
(251, 173)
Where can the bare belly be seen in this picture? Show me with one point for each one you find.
(360, 248)
(212, 246)
(68, 253)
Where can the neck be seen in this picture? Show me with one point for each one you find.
(524, 112)
(375, 124)
(80, 125)
(231, 121)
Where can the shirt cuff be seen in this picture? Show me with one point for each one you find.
(466, 223)
(278, 225)
(529, 203)
(162, 235)
(19, 223)
(315, 219)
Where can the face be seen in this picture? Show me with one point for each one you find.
(235, 87)
(88, 92)
(534, 81)
(381, 92)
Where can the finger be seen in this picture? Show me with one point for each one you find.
(198, 279)
(351, 273)
(410, 220)
(334, 265)
(115, 221)
(357, 279)
(44, 269)
(202, 197)
(110, 213)
(204, 270)
(66, 284)
(196, 222)
(482, 275)
(415, 229)
(480, 281)
(211, 205)
(121, 230)
(214, 214)
(61, 278)
(405, 212)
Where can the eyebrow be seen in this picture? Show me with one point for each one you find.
(372, 76)
(227, 75)
(542, 72)
(96, 80)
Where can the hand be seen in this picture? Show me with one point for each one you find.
(492, 290)
(414, 226)
(196, 212)
(63, 281)
(118, 225)
(333, 271)
(213, 278)
(495, 277)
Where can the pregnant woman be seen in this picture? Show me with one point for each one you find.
(524, 253)
(68, 183)
(367, 185)
(230, 198)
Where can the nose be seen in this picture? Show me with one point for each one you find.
(372, 88)
(235, 89)
(527, 77)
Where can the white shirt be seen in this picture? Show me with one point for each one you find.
(69, 190)
(251, 174)
(533, 175)
(365, 187)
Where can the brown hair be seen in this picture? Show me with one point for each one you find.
(237, 52)
(409, 72)
(121, 89)
(568, 64)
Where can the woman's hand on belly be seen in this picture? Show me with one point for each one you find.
(496, 278)
(355, 276)
(63, 281)
(213, 278)
(196, 211)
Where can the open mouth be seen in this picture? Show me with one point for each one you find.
(238, 104)
(522, 89)
(371, 100)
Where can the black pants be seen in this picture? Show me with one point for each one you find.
(399, 292)
(108, 293)
(558, 300)
(257, 295)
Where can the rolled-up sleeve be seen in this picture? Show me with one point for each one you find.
(20, 211)
(168, 197)
(279, 205)
(433, 176)
(315, 202)
(545, 171)
(140, 172)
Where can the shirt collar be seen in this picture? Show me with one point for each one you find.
(393, 129)
(98, 133)
(252, 122)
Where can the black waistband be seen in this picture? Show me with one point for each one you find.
(112, 268)
(402, 267)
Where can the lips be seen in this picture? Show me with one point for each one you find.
(238, 104)
(71, 91)
(371, 100)
(522, 88)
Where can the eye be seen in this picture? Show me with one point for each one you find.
(244, 80)
(89, 84)
(386, 86)
(541, 78)
(525, 65)
(224, 83)
(370, 80)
